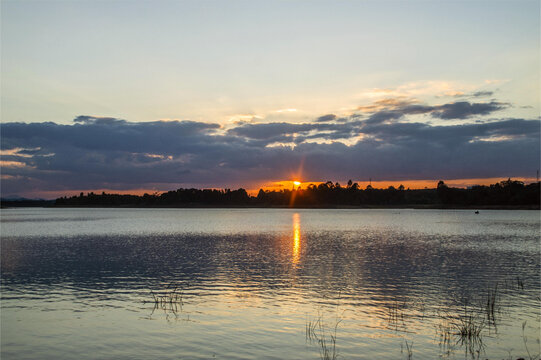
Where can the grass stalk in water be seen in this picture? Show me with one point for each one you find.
(409, 349)
(470, 328)
(491, 308)
(525, 339)
(169, 300)
(318, 331)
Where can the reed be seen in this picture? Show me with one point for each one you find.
(170, 300)
(445, 332)
(469, 328)
(525, 339)
(396, 315)
(465, 330)
(311, 327)
(520, 283)
(490, 304)
(469, 332)
(409, 349)
(318, 331)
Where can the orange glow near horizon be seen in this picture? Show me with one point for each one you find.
(283, 185)
(296, 254)
(408, 184)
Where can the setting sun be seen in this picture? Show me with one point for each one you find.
(296, 183)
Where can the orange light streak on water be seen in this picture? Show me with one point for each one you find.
(296, 238)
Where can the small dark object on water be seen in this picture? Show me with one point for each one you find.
(477, 212)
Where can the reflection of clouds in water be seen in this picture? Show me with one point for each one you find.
(296, 238)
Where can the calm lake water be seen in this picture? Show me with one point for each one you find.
(269, 284)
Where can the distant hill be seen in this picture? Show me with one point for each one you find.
(23, 202)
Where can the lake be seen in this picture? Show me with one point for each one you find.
(269, 284)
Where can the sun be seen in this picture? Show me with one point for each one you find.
(296, 183)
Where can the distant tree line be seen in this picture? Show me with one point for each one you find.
(505, 193)
(508, 192)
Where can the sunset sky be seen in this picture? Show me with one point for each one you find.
(135, 96)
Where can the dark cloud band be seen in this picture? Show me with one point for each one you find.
(98, 153)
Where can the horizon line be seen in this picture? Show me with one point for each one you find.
(275, 186)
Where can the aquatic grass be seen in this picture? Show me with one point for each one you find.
(409, 349)
(520, 283)
(525, 339)
(469, 329)
(445, 332)
(318, 331)
(490, 304)
(469, 332)
(169, 295)
(514, 284)
(464, 329)
(328, 352)
(311, 327)
(421, 306)
(396, 315)
(170, 300)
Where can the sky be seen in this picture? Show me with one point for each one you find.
(144, 96)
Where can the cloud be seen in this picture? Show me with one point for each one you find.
(286, 132)
(455, 135)
(85, 119)
(422, 89)
(383, 115)
(97, 153)
(464, 109)
(475, 94)
(482, 93)
(396, 108)
(269, 131)
(325, 118)
(390, 103)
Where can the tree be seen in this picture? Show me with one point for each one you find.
(261, 195)
(443, 192)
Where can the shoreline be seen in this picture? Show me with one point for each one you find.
(329, 207)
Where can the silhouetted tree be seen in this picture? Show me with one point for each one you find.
(505, 193)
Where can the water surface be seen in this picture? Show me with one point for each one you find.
(250, 283)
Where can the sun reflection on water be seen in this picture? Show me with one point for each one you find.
(296, 238)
